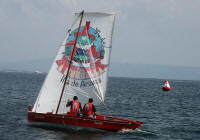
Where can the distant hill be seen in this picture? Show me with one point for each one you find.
(42, 65)
(116, 69)
(155, 71)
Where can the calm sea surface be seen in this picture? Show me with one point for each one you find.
(166, 115)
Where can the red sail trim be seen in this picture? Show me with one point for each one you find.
(62, 61)
(65, 66)
(85, 31)
(102, 66)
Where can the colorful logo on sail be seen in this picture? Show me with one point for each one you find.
(88, 54)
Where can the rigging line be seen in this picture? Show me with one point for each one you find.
(62, 103)
(70, 61)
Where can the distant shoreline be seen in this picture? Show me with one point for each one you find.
(152, 71)
(115, 77)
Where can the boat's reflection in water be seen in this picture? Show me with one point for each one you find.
(61, 131)
(69, 132)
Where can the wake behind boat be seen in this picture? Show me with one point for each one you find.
(80, 69)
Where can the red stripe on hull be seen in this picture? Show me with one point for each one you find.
(110, 123)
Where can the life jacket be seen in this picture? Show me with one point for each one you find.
(74, 107)
(88, 109)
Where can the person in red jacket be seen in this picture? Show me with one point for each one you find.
(75, 106)
(89, 109)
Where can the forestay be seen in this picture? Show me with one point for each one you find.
(88, 73)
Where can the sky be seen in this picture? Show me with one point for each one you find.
(163, 32)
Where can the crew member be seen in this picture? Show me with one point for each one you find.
(89, 109)
(75, 106)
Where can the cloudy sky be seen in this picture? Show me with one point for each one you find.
(146, 31)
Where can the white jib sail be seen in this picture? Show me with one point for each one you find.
(88, 73)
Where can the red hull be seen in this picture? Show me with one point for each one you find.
(166, 88)
(100, 122)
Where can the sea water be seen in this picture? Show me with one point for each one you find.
(166, 115)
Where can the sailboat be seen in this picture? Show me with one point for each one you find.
(166, 86)
(80, 68)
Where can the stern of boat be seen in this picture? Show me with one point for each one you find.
(29, 112)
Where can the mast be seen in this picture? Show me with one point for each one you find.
(70, 63)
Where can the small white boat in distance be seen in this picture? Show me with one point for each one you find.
(39, 72)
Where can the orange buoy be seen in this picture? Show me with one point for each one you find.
(166, 86)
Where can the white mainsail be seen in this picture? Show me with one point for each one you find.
(88, 73)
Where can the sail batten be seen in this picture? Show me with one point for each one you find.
(88, 72)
